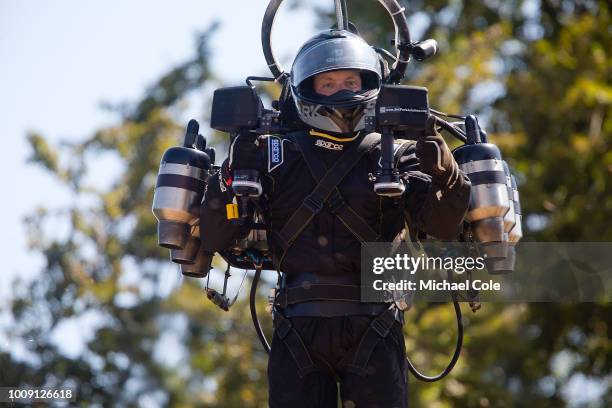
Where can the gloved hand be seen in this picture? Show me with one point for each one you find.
(435, 156)
(244, 154)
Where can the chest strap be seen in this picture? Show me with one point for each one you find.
(322, 193)
(336, 204)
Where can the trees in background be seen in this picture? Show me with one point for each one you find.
(538, 74)
(155, 337)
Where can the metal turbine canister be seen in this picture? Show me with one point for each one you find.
(516, 233)
(200, 267)
(503, 266)
(489, 199)
(180, 186)
(188, 254)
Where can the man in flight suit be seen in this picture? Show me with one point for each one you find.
(324, 335)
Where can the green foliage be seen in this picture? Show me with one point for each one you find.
(108, 254)
(550, 113)
(552, 122)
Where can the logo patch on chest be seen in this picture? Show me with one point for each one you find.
(275, 153)
(326, 144)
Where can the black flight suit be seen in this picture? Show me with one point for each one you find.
(327, 252)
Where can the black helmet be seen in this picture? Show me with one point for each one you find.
(331, 50)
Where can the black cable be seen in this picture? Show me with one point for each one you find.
(253, 307)
(250, 79)
(448, 115)
(388, 54)
(227, 276)
(456, 354)
(450, 128)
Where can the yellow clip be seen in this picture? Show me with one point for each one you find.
(232, 211)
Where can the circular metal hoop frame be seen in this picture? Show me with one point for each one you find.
(402, 40)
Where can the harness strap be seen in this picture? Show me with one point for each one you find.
(378, 330)
(336, 204)
(313, 203)
(318, 291)
(294, 343)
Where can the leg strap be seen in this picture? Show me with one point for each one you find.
(285, 331)
(378, 330)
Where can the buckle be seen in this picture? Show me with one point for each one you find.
(313, 204)
(381, 326)
(335, 202)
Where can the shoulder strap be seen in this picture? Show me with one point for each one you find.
(336, 204)
(313, 203)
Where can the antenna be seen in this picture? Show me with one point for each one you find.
(341, 14)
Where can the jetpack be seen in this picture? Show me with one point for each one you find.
(493, 222)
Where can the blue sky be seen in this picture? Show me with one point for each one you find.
(60, 59)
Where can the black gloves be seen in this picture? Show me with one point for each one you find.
(244, 154)
(435, 157)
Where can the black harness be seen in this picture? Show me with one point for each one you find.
(379, 329)
(327, 193)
